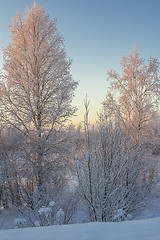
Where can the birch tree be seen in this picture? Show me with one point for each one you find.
(137, 92)
(37, 85)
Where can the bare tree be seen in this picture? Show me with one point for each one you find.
(37, 86)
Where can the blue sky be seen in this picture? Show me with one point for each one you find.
(97, 34)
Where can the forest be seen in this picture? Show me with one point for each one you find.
(55, 172)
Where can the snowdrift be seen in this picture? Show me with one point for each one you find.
(148, 229)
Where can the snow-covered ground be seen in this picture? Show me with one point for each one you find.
(148, 229)
(146, 226)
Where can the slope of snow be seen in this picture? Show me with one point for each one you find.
(148, 229)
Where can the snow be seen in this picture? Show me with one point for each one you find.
(60, 216)
(121, 215)
(145, 227)
(152, 209)
(37, 223)
(129, 217)
(20, 222)
(7, 217)
(51, 204)
(148, 229)
(60, 213)
(44, 210)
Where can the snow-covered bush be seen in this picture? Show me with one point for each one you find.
(20, 222)
(111, 169)
(46, 211)
(70, 203)
(121, 215)
(129, 217)
(60, 216)
(52, 204)
(50, 214)
(37, 223)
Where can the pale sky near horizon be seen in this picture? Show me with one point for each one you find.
(97, 34)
